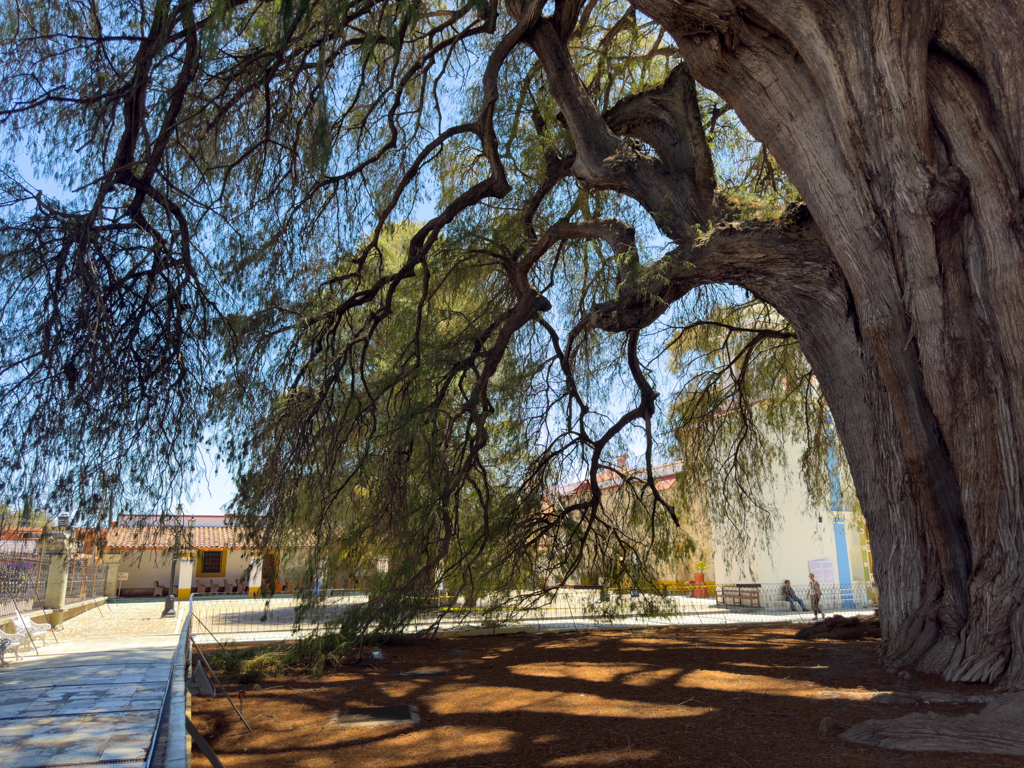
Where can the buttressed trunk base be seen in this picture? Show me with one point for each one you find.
(902, 126)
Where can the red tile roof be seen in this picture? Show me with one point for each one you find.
(20, 532)
(198, 537)
(664, 483)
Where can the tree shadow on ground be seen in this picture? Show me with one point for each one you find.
(719, 697)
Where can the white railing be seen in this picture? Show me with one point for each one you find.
(169, 748)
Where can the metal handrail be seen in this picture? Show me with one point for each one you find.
(175, 720)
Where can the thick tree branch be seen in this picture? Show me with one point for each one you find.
(767, 258)
(603, 161)
(668, 118)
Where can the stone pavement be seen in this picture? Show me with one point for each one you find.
(94, 697)
(141, 617)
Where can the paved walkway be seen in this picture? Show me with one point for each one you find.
(94, 697)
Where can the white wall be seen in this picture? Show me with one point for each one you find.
(801, 532)
(801, 538)
(237, 562)
(144, 567)
(186, 520)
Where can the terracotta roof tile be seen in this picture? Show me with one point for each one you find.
(199, 537)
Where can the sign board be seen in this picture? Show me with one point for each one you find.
(824, 570)
(122, 576)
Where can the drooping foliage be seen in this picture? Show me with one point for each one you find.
(749, 406)
(222, 250)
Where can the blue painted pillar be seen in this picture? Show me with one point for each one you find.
(835, 486)
(843, 562)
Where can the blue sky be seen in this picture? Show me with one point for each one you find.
(210, 494)
(215, 489)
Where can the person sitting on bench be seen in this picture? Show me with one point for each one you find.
(789, 594)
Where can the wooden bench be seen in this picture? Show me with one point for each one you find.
(744, 595)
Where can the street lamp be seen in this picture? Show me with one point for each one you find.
(181, 541)
(169, 602)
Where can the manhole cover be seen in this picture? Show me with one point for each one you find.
(356, 717)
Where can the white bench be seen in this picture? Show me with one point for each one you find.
(35, 631)
(13, 641)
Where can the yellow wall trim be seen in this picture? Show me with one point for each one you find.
(200, 573)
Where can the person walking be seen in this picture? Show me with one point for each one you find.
(790, 595)
(814, 597)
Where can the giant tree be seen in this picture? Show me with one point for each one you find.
(901, 125)
(223, 161)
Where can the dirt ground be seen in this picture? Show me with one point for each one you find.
(717, 697)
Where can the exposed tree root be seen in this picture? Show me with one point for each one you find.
(908, 697)
(996, 730)
(842, 628)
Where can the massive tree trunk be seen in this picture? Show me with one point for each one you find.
(901, 125)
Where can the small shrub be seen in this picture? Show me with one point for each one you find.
(247, 664)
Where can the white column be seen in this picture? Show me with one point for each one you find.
(255, 574)
(113, 563)
(55, 544)
(186, 568)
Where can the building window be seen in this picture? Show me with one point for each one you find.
(211, 563)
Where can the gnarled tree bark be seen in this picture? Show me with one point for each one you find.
(902, 125)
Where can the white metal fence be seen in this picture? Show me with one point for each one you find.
(239, 618)
(22, 582)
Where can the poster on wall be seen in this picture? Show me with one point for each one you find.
(824, 570)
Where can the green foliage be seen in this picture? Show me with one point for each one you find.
(25, 515)
(248, 664)
(750, 402)
(310, 654)
(232, 258)
(749, 176)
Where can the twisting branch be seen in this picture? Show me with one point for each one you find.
(762, 256)
(603, 161)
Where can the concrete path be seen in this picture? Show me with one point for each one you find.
(94, 697)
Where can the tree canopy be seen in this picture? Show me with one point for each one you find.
(231, 257)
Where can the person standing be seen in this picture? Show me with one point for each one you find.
(790, 595)
(814, 597)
